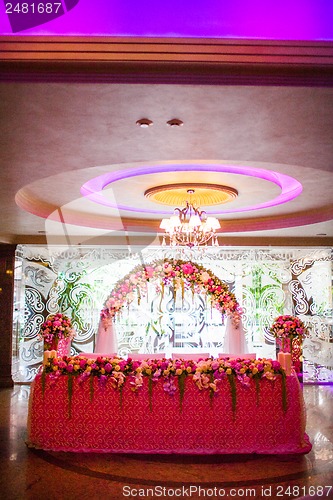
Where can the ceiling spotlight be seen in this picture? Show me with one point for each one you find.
(175, 123)
(144, 123)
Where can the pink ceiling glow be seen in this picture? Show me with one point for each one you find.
(290, 187)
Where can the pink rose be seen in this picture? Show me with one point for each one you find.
(149, 271)
(167, 268)
(108, 367)
(187, 268)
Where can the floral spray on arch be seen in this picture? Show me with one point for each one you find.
(182, 275)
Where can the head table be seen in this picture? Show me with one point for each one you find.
(67, 414)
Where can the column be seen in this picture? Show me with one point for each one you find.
(7, 262)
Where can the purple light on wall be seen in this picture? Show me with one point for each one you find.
(253, 19)
(70, 4)
(290, 187)
(284, 20)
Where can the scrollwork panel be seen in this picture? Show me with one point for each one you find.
(267, 281)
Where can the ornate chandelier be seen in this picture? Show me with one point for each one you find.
(190, 226)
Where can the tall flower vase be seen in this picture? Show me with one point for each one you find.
(64, 347)
(51, 346)
(297, 357)
(61, 346)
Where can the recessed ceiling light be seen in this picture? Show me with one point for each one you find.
(175, 122)
(144, 123)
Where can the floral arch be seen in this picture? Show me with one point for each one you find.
(181, 275)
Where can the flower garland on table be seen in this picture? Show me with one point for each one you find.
(207, 374)
(56, 327)
(106, 369)
(182, 275)
(172, 371)
(288, 327)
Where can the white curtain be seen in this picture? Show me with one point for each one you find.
(234, 340)
(106, 339)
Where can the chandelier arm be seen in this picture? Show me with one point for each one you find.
(192, 228)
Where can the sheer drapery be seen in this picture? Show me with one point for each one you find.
(106, 339)
(234, 340)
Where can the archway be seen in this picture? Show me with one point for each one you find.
(181, 275)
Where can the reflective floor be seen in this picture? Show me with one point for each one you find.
(36, 474)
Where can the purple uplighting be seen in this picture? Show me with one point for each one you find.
(290, 187)
(247, 19)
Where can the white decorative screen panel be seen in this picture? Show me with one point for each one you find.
(266, 281)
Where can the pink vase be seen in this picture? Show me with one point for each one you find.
(51, 346)
(64, 347)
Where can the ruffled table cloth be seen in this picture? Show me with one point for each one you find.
(103, 420)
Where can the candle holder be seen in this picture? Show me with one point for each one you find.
(57, 333)
(290, 332)
(293, 346)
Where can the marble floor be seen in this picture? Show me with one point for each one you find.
(36, 474)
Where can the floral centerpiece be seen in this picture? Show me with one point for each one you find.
(56, 327)
(286, 328)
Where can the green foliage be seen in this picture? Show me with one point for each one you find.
(284, 390)
(91, 388)
(257, 382)
(43, 381)
(121, 397)
(258, 290)
(181, 386)
(232, 382)
(72, 297)
(155, 326)
(70, 394)
(150, 392)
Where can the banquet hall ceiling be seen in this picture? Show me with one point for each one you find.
(56, 137)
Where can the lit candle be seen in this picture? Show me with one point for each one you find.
(281, 358)
(287, 363)
(46, 357)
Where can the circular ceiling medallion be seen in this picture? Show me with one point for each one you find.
(94, 188)
(202, 195)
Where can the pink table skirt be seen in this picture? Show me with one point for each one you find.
(138, 423)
